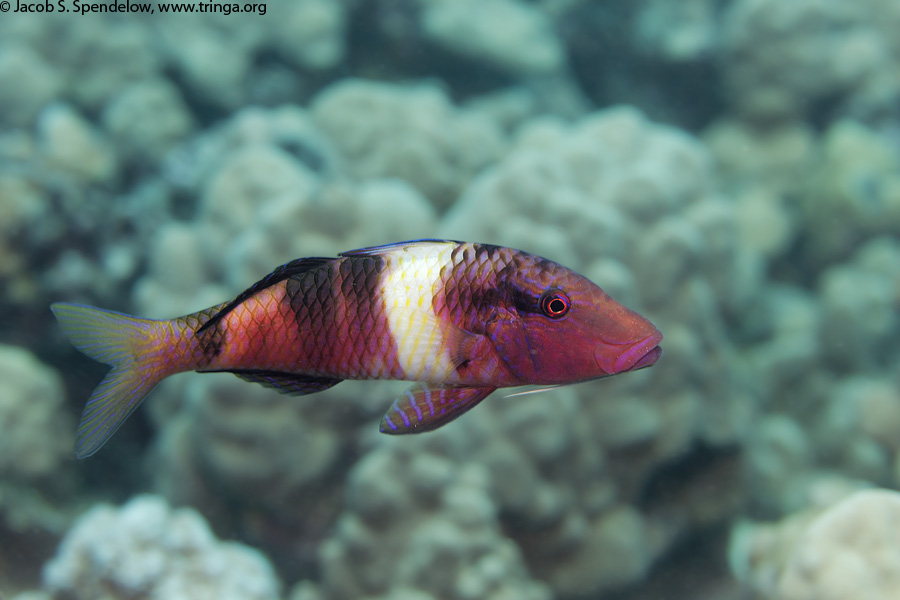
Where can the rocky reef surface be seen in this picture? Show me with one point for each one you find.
(730, 168)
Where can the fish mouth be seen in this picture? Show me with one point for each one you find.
(647, 360)
(638, 355)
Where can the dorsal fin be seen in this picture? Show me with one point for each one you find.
(373, 250)
(295, 267)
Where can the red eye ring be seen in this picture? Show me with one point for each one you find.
(554, 303)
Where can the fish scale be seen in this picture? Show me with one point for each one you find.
(461, 319)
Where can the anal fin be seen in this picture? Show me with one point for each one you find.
(285, 383)
(426, 408)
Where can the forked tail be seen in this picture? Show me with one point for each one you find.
(124, 343)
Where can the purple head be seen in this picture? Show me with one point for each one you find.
(557, 327)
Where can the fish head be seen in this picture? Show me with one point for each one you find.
(560, 327)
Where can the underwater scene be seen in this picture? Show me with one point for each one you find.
(729, 170)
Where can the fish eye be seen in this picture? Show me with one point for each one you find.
(554, 303)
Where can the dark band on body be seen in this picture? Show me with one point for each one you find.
(339, 312)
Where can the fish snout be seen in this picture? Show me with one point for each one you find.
(616, 358)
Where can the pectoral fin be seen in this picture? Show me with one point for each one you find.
(425, 408)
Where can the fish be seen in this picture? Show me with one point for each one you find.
(458, 319)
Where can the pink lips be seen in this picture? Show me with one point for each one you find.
(647, 360)
(631, 357)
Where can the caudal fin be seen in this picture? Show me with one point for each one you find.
(121, 341)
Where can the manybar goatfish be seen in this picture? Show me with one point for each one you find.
(460, 319)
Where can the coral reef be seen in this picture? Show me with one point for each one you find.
(859, 304)
(747, 199)
(28, 83)
(677, 32)
(817, 194)
(23, 206)
(72, 147)
(414, 134)
(37, 437)
(789, 60)
(821, 422)
(762, 168)
(836, 552)
(417, 525)
(35, 459)
(248, 458)
(525, 45)
(146, 119)
(146, 550)
(852, 192)
(212, 56)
